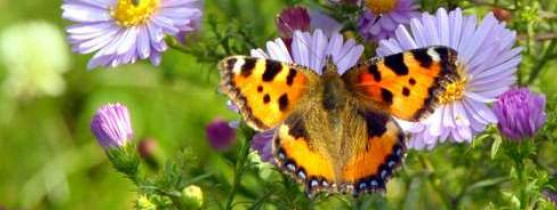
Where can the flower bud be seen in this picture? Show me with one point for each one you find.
(292, 19)
(501, 14)
(520, 113)
(148, 149)
(192, 197)
(220, 134)
(111, 126)
(144, 203)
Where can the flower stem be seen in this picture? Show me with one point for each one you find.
(240, 166)
(545, 58)
(432, 178)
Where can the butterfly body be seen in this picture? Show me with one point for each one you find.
(336, 132)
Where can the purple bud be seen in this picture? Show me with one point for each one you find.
(220, 134)
(111, 126)
(520, 113)
(292, 19)
(262, 143)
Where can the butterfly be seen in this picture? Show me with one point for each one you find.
(335, 132)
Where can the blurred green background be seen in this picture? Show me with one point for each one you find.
(48, 156)
(50, 160)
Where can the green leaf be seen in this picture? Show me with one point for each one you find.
(495, 146)
(487, 183)
(514, 201)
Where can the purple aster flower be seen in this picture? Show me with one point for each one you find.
(382, 17)
(111, 126)
(124, 31)
(486, 63)
(520, 113)
(310, 50)
(220, 134)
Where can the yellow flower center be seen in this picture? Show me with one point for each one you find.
(456, 89)
(381, 6)
(133, 12)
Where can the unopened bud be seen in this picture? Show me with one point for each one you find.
(144, 203)
(192, 197)
(149, 151)
(292, 19)
(220, 134)
(501, 14)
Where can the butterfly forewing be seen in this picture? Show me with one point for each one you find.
(264, 90)
(406, 85)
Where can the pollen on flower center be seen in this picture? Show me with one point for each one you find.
(381, 6)
(133, 12)
(456, 89)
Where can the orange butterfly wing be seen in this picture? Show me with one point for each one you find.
(406, 85)
(368, 169)
(265, 91)
(296, 155)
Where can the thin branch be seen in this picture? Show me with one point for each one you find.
(539, 37)
(547, 15)
(542, 13)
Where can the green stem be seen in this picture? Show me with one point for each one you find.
(547, 56)
(522, 173)
(356, 203)
(239, 170)
(172, 43)
(431, 177)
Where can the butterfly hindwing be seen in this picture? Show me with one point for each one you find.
(297, 156)
(265, 91)
(406, 85)
(368, 168)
